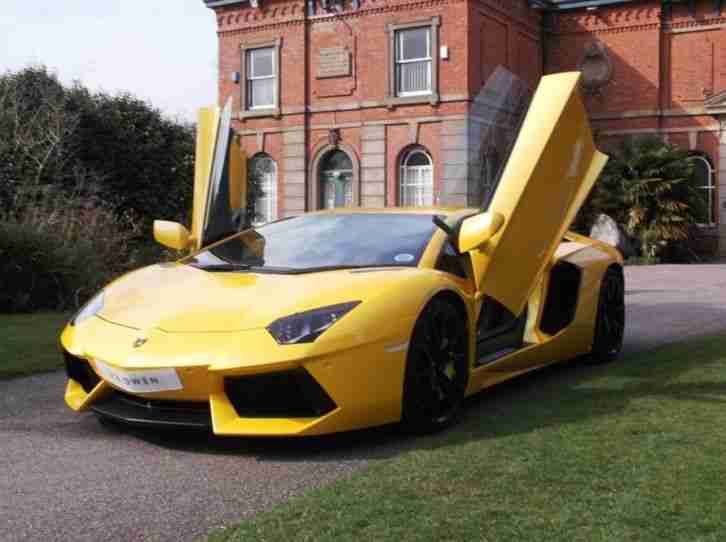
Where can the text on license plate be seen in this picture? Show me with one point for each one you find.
(147, 381)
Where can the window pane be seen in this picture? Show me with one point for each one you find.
(260, 62)
(329, 191)
(336, 160)
(266, 203)
(348, 188)
(262, 93)
(262, 164)
(417, 159)
(427, 179)
(702, 204)
(417, 186)
(337, 189)
(413, 43)
(414, 76)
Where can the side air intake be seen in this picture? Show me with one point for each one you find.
(287, 394)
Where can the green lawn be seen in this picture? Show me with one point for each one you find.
(29, 343)
(630, 451)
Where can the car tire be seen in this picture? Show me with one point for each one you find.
(607, 342)
(436, 369)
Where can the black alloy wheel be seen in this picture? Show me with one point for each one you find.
(610, 322)
(436, 369)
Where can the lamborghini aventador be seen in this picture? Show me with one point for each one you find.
(350, 318)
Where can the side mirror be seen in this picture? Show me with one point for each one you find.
(171, 234)
(476, 230)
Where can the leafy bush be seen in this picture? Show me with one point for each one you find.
(647, 188)
(58, 252)
(82, 176)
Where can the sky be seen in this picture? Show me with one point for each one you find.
(164, 51)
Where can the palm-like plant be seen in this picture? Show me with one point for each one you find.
(647, 188)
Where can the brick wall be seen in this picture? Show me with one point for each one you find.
(664, 67)
(662, 70)
(374, 134)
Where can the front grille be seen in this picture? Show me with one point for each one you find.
(139, 411)
(287, 394)
(80, 370)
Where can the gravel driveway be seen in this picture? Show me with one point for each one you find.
(63, 476)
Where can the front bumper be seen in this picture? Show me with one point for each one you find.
(278, 391)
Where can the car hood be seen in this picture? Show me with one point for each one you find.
(181, 298)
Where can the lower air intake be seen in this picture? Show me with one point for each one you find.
(80, 370)
(287, 394)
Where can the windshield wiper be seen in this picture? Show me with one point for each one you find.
(231, 267)
(223, 267)
(322, 268)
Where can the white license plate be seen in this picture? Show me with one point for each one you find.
(140, 381)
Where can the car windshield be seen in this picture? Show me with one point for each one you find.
(324, 241)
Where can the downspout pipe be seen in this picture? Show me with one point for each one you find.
(308, 8)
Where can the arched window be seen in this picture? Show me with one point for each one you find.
(703, 182)
(417, 179)
(265, 169)
(336, 180)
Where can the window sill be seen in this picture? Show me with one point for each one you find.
(431, 99)
(257, 113)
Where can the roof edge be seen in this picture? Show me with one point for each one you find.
(567, 5)
(547, 5)
(211, 4)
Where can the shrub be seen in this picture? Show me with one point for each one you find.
(646, 187)
(82, 176)
(60, 250)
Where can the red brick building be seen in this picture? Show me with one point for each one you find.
(373, 102)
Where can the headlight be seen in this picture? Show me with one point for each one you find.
(305, 327)
(91, 308)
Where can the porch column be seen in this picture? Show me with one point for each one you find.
(293, 152)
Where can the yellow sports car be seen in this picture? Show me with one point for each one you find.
(351, 318)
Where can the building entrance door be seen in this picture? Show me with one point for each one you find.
(336, 180)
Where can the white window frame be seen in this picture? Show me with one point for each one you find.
(246, 110)
(249, 78)
(404, 177)
(269, 192)
(393, 98)
(710, 189)
(399, 34)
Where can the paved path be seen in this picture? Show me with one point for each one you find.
(668, 303)
(65, 477)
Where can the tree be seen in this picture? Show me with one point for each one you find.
(114, 147)
(82, 175)
(36, 132)
(145, 159)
